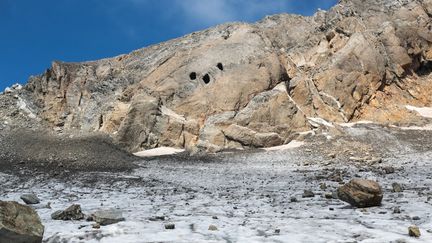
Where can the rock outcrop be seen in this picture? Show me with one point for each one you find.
(249, 85)
(19, 224)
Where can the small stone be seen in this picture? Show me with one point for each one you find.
(323, 186)
(414, 231)
(361, 193)
(30, 199)
(396, 210)
(96, 226)
(212, 228)
(389, 170)
(397, 187)
(215, 217)
(376, 161)
(293, 199)
(277, 231)
(328, 195)
(416, 218)
(157, 218)
(308, 194)
(170, 226)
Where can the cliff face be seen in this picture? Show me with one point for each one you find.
(252, 85)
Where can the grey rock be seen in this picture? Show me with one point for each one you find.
(213, 228)
(308, 194)
(107, 217)
(30, 199)
(19, 224)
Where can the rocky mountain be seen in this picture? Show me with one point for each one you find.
(245, 85)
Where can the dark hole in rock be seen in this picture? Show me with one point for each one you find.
(193, 75)
(425, 69)
(206, 79)
(220, 66)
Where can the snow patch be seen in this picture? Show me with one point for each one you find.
(351, 124)
(416, 128)
(423, 111)
(168, 112)
(317, 122)
(291, 145)
(23, 106)
(158, 152)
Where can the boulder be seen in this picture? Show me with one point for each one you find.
(19, 224)
(107, 217)
(414, 231)
(30, 199)
(71, 213)
(361, 193)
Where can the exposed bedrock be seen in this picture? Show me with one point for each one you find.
(249, 85)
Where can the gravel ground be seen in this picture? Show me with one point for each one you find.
(248, 196)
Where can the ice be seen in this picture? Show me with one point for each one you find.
(245, 194)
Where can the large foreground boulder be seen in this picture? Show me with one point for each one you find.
(361, 193)
(19, 224)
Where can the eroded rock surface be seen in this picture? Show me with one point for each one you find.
(264, 79)
(19, 224)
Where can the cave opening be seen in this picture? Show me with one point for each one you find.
(206, 78)
(425, 69)
(193, 75)
(220, 66)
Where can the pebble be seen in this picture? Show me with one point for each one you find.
(170, 226)
(396, 210)
(212, 228)
(308, 194)
(397, 187)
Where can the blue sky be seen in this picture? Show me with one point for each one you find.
(33, 33)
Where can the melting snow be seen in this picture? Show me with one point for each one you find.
(423, 111)
(159, 152)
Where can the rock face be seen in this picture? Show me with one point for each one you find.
(19, 224)
(361, 193)
(249, 85)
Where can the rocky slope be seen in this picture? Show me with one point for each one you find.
(247, 85)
